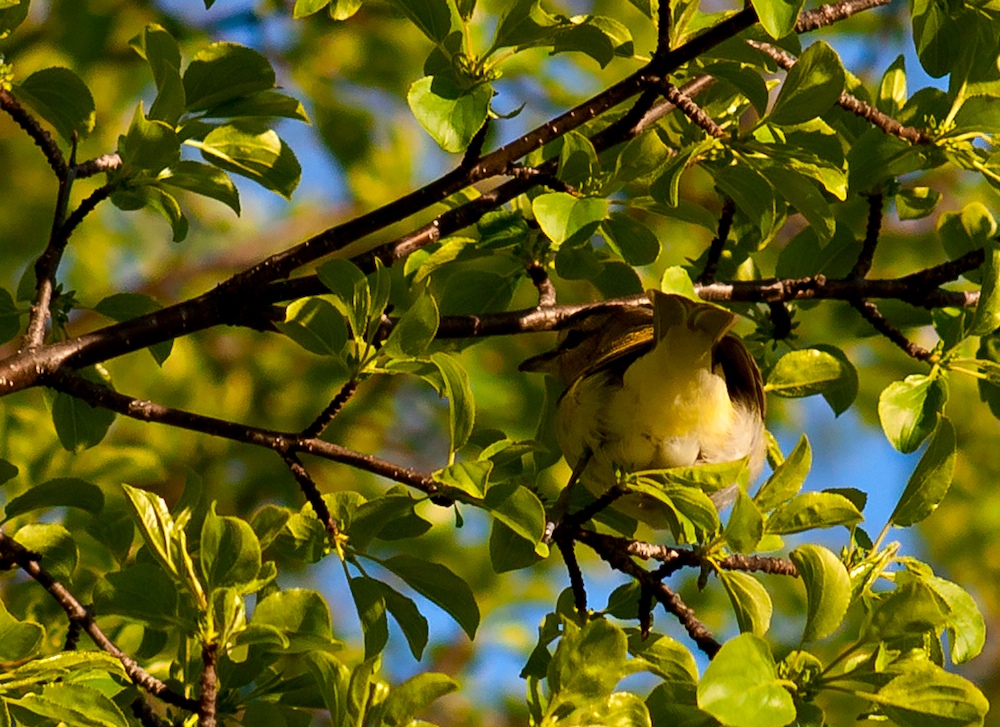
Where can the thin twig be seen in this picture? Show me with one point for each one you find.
(43, 140)
(673, 603)
(870, 312)
(566, 548)
(850, 103)
(11, 550)
(543, 283)
(692, 110)
(101, 164)
(718, 242)
(313, 496)
(834, 13)
(321, 422)
(760, 564)
(281, 442)
(864, 264)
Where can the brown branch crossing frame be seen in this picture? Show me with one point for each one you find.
(247, 298)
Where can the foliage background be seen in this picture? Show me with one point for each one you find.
(362, 150)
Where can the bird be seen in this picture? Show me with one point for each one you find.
(655, 387)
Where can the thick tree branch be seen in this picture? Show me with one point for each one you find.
(12, 551)
(209, 689)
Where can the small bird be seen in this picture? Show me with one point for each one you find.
(654, 388)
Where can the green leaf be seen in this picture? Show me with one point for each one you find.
(8, 471)
(930, 481)
(18, 639)
(519, 509)
(368, 600)
(56, 546)
(305, 8)
(300, 616)
(813, 510)
(59, 492)
(892, 88)
(778, 16)
(78, 424)
(415, 330)
(668, 659)
(433, 17)
(249, 148)
(806, 372)
(962, 232)
(156, 524)
(410, 620)
(589, 661)
(937, 36)
(746, 524)
(751, 602)
(468, 477)
(631, 240)
(965, 624)
(265, 104)
(157, 200)
(126, 306)
(350, 287)
(805, 197)
(73, 704)
(524, 24)
(787, 479)
(160, 50)
(929, 696)
(509, 551)
(987, 316)
(229, 552)
(317, 326)
(564, 217)
(811, 88)
(916, 203)
(828, 589)
(413, 696)
(203, 179)
(57, 95)
(438, 584)
(741, 688)
(909, 410)
(12, 15)
(461, 406)
(841, 394)
(142, 591)
(225, 72)
(752, 194)
(470, 292)
(149, 145)
(913, 609)
(450, 114)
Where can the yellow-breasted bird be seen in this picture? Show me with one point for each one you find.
(653, 388)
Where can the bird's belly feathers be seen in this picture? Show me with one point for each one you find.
(679, 420)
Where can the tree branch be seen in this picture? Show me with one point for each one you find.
(280, 442)
(43, 140)
(851, 103)
(12, 551)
